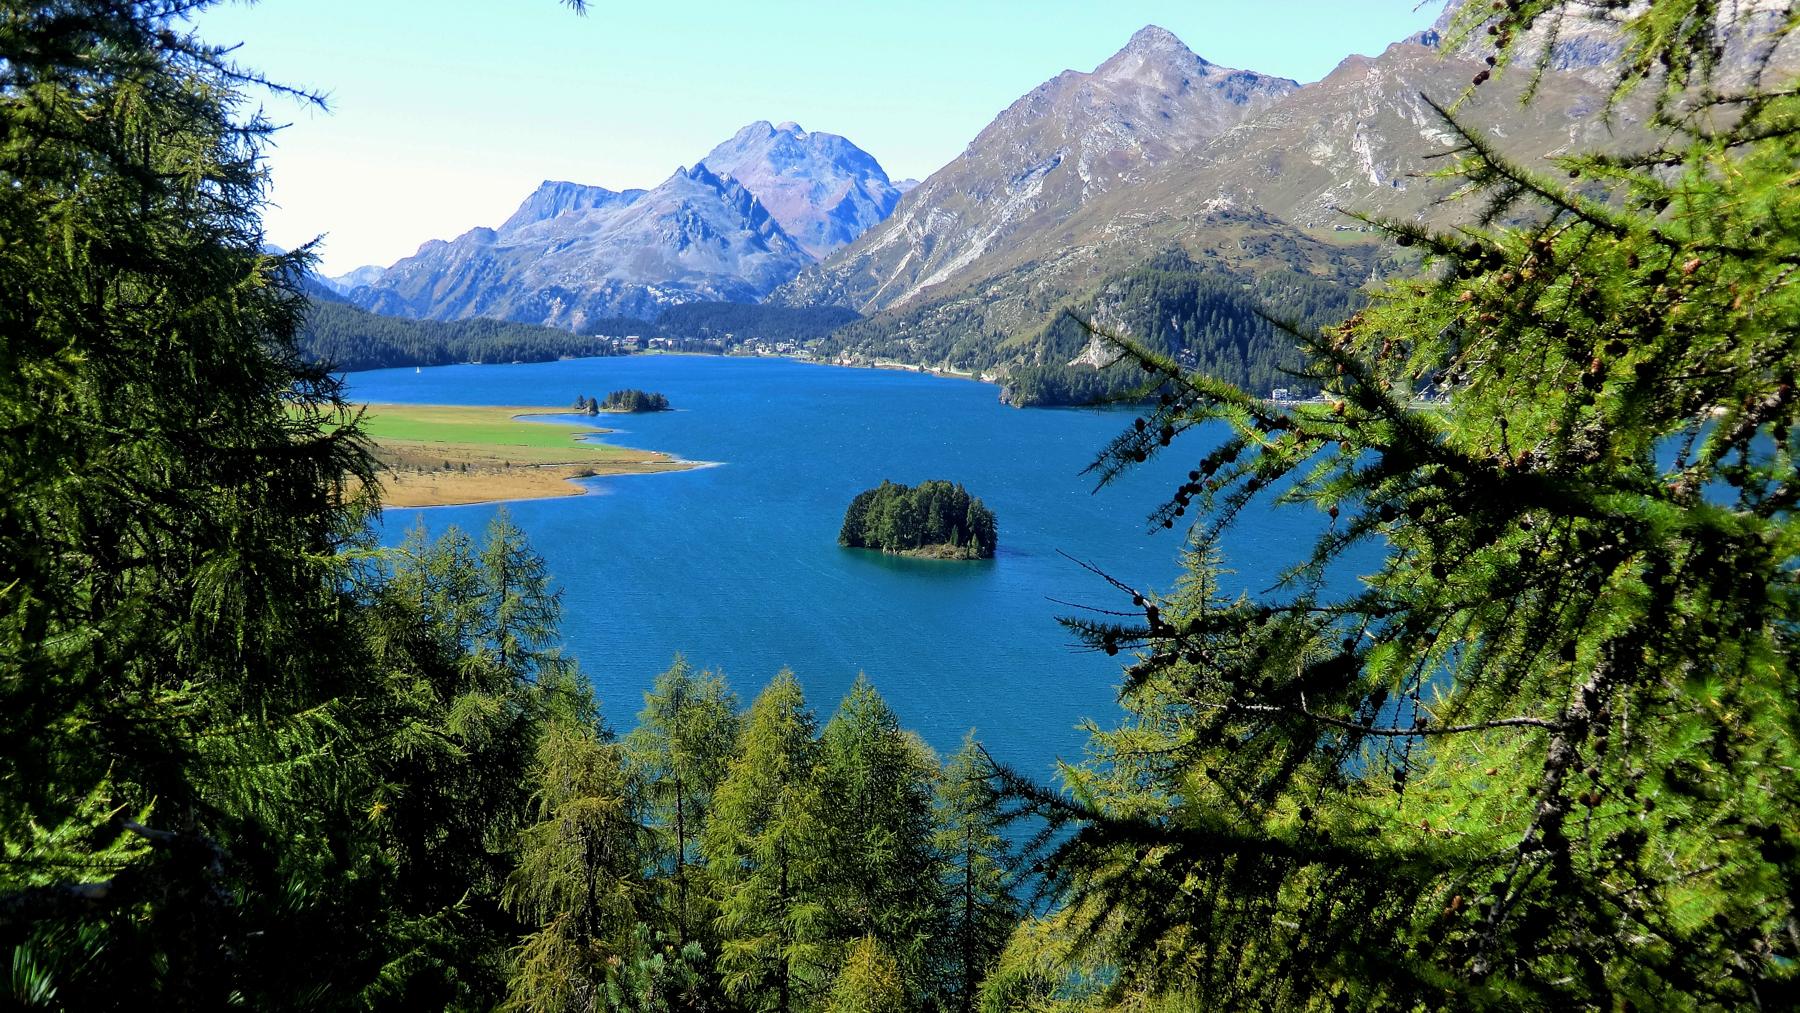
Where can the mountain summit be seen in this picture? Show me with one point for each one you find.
(1071, 139)
(824, 190)
(573, 254)
(744, 219)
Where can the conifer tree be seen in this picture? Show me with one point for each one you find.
(580, 867)
(869, 982)
(451, 739)
(980, 905)
(761, 845)
(876, 826)
(521, 611)
(174, 647)
(1542, 755)
(681, 750)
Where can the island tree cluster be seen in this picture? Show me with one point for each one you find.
(934, 518)
(632, 401)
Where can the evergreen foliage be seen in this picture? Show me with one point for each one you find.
(681, 750)
(176, 663)
(1209, 318)
(1210, 321)
(344, 337)
(634, 401)
(934, 518)
(251, 760)
(761, 847)
(979, 871)
(579, 869)
(1543, 757)
(871, 982)
(875, 789)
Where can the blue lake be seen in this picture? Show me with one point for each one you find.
(737, 566)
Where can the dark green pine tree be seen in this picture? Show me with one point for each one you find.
(178, 662)
(875, 785)
(451, 740)
(980, 867)
(762, 851)
(521, 612)
(683, 745)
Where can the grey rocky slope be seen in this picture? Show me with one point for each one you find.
(554, 198)
(349, 280)
(1269, 192)
(761, 206)
(696, 236)
(1070, 141)
(824, 190)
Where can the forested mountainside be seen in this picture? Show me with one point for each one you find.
(1237, 328)
(743, 321)
(347, 338)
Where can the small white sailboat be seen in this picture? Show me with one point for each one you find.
(416, 369)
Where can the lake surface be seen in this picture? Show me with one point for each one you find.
(737, 566)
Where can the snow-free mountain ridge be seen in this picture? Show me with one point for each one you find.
(752, 213)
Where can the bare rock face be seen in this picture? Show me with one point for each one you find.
(1072, 139)
(573, 255)
(761, 206)
(555, 197)
(824, 190)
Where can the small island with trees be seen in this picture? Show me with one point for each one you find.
(623, 401)
(935, 520)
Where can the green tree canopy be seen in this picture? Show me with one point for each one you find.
(1541, 756)
(761, 845)
(875, 785)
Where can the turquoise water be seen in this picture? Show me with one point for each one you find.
(737, 566)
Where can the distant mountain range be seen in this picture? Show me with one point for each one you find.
(759, 207)
(1155, 152)
(1071, 141)
(1247, 173)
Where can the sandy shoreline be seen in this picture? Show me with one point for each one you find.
(459, 455)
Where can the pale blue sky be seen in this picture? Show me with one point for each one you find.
(446, 113)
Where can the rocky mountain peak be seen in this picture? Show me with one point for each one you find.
(554, 197)
(822, 189)
(1155, 39)
(1069, 141)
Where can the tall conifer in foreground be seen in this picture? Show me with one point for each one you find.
(579, 877)
(762, 851)
(979, 871)
(875, 785)
(1544, 757)
(173, 484)
(681, 750)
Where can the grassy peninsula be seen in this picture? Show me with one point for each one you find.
(446, 455)
(934, 520)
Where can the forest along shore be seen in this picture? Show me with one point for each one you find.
(454, 455)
